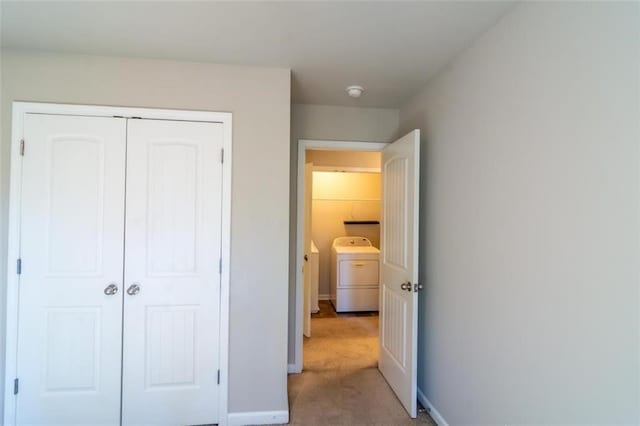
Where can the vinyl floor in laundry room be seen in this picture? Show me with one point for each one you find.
(341, 384)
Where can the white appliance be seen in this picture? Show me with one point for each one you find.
(314, 267)
(354, 274)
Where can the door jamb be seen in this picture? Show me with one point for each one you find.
(13, 251)
(303, 145)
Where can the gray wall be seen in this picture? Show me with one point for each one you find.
(328, 123)
(530, 220)
(260, 102)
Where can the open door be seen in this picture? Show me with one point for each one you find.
(306, 276)
(399, 268)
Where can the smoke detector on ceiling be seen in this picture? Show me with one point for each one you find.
(355, 91)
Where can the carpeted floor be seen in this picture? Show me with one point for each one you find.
(341, 344)
(341, 384)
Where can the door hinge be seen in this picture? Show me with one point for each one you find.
(19, 266)
(16, 385)
(220, 265)
(222, 155)
(218, 376)
(22, 147)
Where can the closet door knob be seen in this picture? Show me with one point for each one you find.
(406, 286)
(111, 289)
(133, 289)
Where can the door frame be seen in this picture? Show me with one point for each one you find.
(19, 109)
(320, 145)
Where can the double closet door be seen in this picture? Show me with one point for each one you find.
(119, 292)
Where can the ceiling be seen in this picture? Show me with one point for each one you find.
(390, 48)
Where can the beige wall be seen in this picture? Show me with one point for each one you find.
(328, 123)
(530, 220)
(260, 102)
(337, 197)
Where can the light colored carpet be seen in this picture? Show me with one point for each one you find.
(341, 343)
(341, 384)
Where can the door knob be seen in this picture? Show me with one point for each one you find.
(406, 286)
(111, 289)
(133, 289)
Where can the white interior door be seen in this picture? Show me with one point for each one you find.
(399, 267)
(306, 269)
(72, 237)
(172, 275)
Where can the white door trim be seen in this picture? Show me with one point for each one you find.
(17, 128)
(303, 145)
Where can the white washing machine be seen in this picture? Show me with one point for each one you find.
(355, 269)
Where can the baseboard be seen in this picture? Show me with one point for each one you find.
(324, 297)
(435, 415)
(294, 369)
(258, 418)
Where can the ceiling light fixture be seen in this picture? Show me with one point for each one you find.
(355, 91)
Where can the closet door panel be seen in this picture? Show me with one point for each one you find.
(72, 241)
(173, 235)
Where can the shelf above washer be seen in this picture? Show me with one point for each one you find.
(362, 222)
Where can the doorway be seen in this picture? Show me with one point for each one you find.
(304, 199)
(398, 259)
(341, 270)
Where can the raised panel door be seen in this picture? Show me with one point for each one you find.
(72, 240)
(173, 243)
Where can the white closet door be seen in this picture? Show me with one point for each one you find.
(172, 305)
(72, 231)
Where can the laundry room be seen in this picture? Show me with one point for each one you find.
(345, 202)
(342, 225)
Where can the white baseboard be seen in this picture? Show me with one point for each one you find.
(294, 369)
(258, 418)
(324, 297)
(435, 415)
